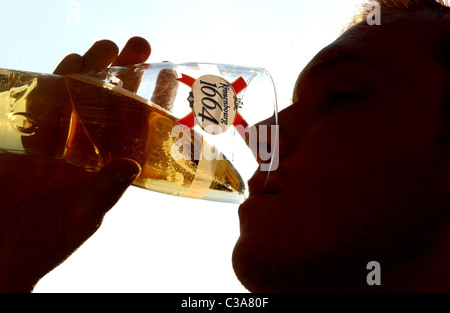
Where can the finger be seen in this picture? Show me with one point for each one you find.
(105, 190)
(136, 50)
(71, 64)
(100, 55)
(166, 89)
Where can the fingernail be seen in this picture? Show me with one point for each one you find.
(124, 178)
(127, 173)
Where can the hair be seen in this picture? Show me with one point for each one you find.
(366, 7)
(442, 49)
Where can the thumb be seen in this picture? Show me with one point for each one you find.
(110, 183)
(105, 190)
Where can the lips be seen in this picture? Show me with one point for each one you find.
(263, 190)
(266, 183)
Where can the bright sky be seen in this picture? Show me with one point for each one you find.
(151, 242)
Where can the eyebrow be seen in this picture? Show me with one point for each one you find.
(321, 66)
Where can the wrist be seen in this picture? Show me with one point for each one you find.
(13, 283)
(16, 287)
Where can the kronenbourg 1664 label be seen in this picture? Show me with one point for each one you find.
(214, 102)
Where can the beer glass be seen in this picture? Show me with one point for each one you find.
(190, 126)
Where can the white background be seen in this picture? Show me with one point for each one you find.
(151, 242)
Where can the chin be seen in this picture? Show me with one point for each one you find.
(261, 267)
(265, 266)
(249, 269)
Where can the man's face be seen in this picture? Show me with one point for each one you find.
(361, 173)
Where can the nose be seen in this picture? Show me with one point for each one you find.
(274, 138)
(290, 121)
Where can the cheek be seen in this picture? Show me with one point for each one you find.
(358, 180)
(353, 147)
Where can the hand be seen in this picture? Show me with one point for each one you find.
(49, 208)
